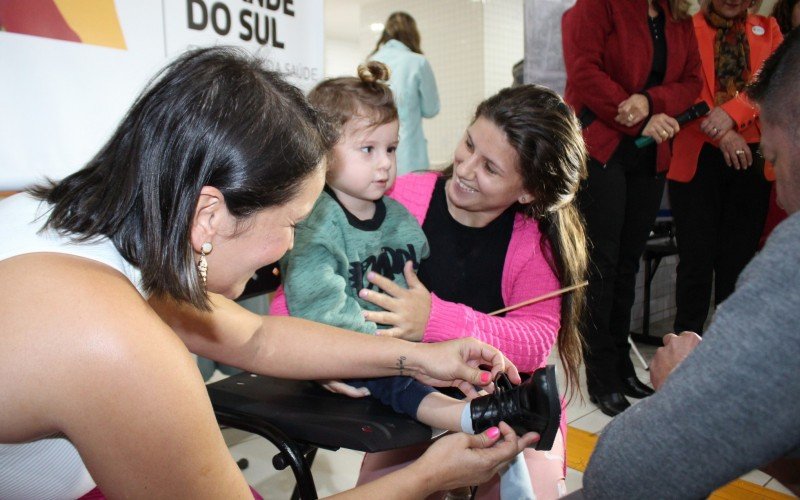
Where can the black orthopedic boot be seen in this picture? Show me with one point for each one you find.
(531, 406)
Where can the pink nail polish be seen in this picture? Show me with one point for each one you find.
(485, 377)
(370, 275)
(493, 432)
(363, 293)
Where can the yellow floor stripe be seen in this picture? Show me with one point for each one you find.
(580, 445)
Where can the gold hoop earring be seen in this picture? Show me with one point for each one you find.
(202, 264)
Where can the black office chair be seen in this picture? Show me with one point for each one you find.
(660, 244)
(299, 417)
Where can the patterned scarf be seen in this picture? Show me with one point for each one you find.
(731, 54)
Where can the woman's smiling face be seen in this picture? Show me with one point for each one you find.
(486, 177)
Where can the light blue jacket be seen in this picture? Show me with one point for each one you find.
(414, 88)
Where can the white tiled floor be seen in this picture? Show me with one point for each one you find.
(337, 471)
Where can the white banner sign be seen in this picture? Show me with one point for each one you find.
(70, 69)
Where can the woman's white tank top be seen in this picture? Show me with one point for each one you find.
(48, 468)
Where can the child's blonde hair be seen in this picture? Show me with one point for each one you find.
(366, 96)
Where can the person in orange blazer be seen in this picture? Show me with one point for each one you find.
(717, 182)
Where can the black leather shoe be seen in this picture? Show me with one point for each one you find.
(611, 404)
(634, 388)
(531, 406)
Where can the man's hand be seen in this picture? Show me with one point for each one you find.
(675, 350)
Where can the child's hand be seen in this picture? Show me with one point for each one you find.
(339, 387)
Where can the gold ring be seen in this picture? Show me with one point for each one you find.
(715, 130)
(664, 133)
(630, 117)
(739, 151)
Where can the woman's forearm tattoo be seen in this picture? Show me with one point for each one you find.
(401, 364)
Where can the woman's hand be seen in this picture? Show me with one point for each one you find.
(339, 387)
(661, 128)
(456, 363)
(464, 460)
(735, 150)
(717, 123)
(406, 310)
(632, 110)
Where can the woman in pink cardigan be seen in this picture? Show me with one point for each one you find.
(502, 227)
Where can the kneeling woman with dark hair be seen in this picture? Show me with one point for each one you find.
(112, 276)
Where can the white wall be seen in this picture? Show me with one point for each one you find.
(342, 24)
(504, 42)
(342, 57)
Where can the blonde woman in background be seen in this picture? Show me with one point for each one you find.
(413, 85)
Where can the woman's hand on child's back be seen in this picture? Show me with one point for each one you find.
(406, 310)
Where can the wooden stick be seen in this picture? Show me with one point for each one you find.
(540, 298)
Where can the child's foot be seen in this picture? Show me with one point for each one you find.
(531, 406)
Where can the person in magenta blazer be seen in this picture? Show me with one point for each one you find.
(719, 189)
(631, 66)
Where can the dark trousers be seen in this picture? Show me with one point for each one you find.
(619, 201)
(719, 218)
(403, 394)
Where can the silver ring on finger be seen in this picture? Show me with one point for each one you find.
(739, 151)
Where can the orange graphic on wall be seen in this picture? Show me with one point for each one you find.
(94, 22)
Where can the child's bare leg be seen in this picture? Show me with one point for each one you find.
(443, 412)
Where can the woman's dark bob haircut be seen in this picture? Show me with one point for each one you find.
(213, 117)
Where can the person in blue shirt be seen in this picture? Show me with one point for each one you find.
(413, 85)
